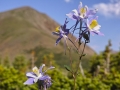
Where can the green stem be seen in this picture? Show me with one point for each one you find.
(74, 82)
(79, 63)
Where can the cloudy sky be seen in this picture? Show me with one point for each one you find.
(108, 12)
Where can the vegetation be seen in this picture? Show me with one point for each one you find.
(97, 78)
(102, 71)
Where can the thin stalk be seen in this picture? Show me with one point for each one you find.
(70, 58)
(73, 43)
(74, 82)
(79, 64)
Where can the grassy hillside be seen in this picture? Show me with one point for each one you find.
(24, 30)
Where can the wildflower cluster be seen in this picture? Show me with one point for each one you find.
(86, 23)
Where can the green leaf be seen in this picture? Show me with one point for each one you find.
(67, 68)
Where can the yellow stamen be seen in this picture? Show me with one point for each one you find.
(57, 29)
(93, 24)
(82, 10)
(36, 71)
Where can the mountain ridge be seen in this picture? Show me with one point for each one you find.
(25, 29)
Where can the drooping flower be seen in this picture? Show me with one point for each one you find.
(93, 26)
(62, 32)
(81, 13)
(38, 75)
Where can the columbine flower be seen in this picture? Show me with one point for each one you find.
(61, 33)
(81, 13)
(38, 75)
(93, 26)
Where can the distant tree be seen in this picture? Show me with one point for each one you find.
(107, 54)
(20, 63)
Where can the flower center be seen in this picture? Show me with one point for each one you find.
(82, 11)
(93, 24)
(57, 29)
(36, 71)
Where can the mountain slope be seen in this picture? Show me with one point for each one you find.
(25, 29)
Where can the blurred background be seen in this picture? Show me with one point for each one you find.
(26, 40)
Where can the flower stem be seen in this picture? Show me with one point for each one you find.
(74, 82)
(79, 64)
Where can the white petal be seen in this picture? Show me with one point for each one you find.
(86, 7)
(96, 28)
(30, 75)
(36, 70)
(75, 12)
(55, 33)
(79, 7)
(36, 79)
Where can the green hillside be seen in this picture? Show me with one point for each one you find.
(24, 30)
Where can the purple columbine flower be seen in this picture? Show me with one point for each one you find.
(62, 32)
(81, 13)
(37, 75)
(93, 26)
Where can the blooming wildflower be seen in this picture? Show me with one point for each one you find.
(62, 32)
(81, 13)
(38, 75)
(93, 26)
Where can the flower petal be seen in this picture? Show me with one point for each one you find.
(58, 40)
(75, 12)
(96, 28)
(49, 69)
(69, 15)
(55, 33)
(41, 67)
(79, 7)
(30, 74)
(29, 81)
(44, 77)
(36, 70)
(91, 13)
(72, 16)
(98, 33)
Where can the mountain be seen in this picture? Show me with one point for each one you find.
(24, 30)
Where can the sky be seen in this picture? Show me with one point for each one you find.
(108, 16)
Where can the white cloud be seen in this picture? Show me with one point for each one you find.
(67, 1)
(111, 9)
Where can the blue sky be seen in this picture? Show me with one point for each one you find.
(108, 12)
